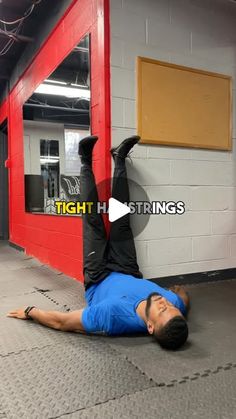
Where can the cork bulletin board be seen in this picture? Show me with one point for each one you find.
(183, 106)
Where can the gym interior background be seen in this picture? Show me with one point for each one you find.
(91, 47)
(68, 68)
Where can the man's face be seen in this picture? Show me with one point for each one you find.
(159, 311)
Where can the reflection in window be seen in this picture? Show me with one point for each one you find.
(72, 139)
(49, 164)
(56, 117)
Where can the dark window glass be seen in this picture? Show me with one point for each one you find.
(49, 148)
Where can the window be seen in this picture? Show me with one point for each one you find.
(56, 117)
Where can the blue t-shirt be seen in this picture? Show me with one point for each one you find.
(112, 304)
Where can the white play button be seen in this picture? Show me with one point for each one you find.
(117, 210)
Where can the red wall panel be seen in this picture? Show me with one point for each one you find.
(3, 111)
(57, 240)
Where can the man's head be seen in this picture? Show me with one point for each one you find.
(165, 322)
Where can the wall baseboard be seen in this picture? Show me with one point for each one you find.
(196, 278)
(185, 279)
(16, 246)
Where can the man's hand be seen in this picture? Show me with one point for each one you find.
(177, 288)
(18, 314)
(182, 292)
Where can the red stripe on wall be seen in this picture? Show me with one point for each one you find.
(56, 240)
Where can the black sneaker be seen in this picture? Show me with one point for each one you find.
(86, 148)
(124, 148)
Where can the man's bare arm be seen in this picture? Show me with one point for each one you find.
(66, 322)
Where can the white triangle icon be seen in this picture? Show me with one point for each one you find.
(117, 210)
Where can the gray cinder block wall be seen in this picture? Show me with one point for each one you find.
(197, 34)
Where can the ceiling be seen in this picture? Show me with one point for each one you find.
(34, 15)
(24, 24)
(73, 72)
(30, 16)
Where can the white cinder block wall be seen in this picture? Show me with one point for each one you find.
(194, 33)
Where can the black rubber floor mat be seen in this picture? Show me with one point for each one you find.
(207, 398)
(72, 298)
(17, 335)
(212, 339)
(9, 253)
(39, 277)
(48, 374)
(34, 299)
(49, 382)
(12, 264)
(2, 414)
(14, 287)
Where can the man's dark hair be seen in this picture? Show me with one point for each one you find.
(174, 334)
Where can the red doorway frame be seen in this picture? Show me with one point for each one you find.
(57, 240)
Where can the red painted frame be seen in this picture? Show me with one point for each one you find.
(57, 240)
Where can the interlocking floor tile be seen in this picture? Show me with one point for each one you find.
(14, 287)
(17, 335)
(48, 374)
(212, 339)
(212, 397)
(39, 277)
(70, 297)
(46, 383)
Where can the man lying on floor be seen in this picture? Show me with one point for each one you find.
(119, 300)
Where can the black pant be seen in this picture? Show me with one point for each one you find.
(117, 253)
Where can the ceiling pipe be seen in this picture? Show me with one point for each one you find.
(48, 107)
(14, 36)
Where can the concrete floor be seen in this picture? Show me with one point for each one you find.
(49, 374)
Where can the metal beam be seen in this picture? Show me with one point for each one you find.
(12, 35)
(49, 107)
(81, 49)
